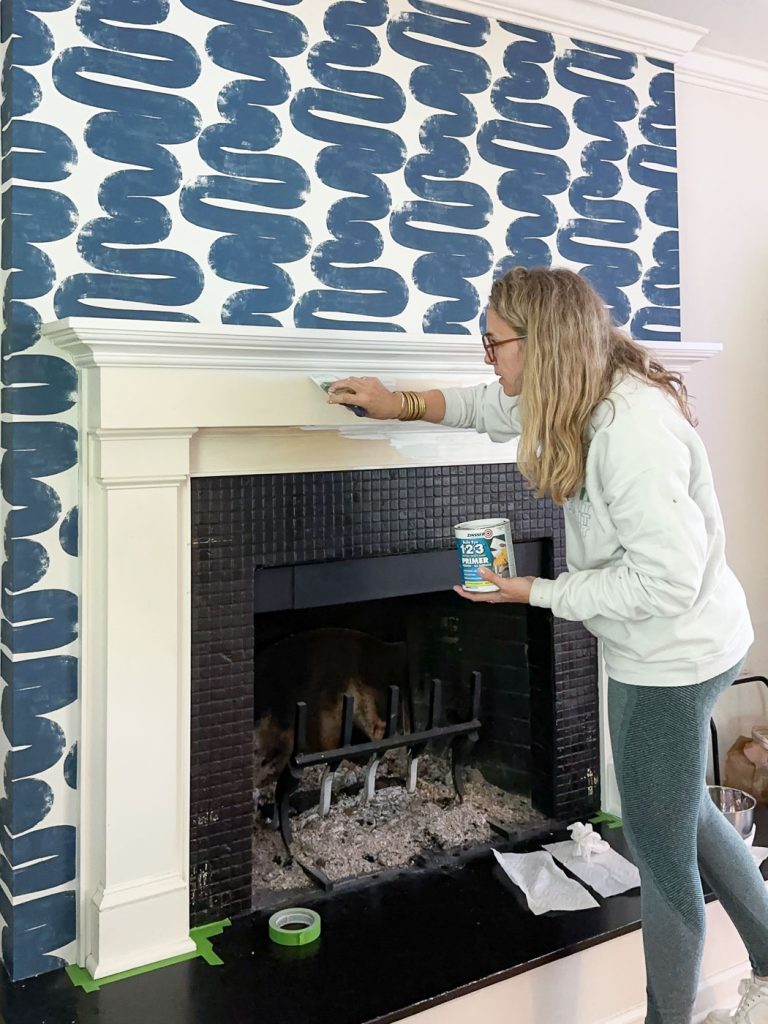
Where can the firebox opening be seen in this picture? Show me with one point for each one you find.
(389, 809)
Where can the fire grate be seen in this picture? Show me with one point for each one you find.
(461, 737)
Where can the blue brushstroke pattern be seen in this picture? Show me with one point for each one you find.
(34, 155)
(68, 532)
(39, 687)
(70, 767)
(446, 76)
(532, 175)
(34, 859)
(255, 242)
(595, 72)
(134, 126)
(655, 165)
(356, 156)
(39, 925)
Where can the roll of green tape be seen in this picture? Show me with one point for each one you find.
(294, 927)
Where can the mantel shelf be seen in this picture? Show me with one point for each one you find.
(108, 342)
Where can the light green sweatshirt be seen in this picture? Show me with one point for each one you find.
(645, 545)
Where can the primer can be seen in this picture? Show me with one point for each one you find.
(484, 543)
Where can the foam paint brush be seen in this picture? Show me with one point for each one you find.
(325, 384)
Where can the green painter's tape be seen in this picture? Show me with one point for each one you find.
(200, 936)
(603, 818)
(294, 927)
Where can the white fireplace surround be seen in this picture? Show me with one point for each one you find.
(159, 404)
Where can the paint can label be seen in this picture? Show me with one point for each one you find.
(484, 543)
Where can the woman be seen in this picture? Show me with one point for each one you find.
(607, 434)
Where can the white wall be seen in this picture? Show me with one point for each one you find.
(724, 279)
(604, 984)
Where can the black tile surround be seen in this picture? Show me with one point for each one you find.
(244, 523)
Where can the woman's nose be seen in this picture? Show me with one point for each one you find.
(488, 359)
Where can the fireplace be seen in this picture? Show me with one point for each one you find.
(328, 596)
(235, 404)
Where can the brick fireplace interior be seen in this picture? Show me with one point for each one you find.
(308, 586)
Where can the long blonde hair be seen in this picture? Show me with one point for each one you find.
(573, 353)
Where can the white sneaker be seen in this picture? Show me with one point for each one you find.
(753, 1008)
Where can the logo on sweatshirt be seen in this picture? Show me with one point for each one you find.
(581, 510)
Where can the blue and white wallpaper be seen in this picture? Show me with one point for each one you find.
(358, 165)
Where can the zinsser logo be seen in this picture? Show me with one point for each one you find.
(488, 534)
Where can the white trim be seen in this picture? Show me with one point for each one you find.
(92, 341)
(643, 32)
(724, 72)
(600, 21)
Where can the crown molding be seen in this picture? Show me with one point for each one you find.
(107, 342)
(599, 21)
(724, 72)
(644, 32)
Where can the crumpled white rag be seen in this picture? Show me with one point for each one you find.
(586, 841)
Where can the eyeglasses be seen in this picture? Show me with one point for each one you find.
(489, 343)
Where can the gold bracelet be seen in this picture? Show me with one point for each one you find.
(413, 406)
(404, 406)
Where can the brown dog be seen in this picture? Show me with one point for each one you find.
(320, 666)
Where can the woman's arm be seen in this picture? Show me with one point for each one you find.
(484, 408)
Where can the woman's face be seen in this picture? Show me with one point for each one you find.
(510, 357)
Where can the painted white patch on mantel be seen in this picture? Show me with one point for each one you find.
(160, 403)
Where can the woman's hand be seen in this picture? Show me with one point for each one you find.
(511, 591)
(368, 393)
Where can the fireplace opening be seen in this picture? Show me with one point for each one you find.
(388, 731)
(331, 591)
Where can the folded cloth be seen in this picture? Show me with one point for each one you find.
(586, 841)
(545, 886)
(607, 873)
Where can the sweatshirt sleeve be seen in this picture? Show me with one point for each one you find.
(485, 408)
(662, 532)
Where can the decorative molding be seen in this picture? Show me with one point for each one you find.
(724, 72)
(137, 890)
(138, 483)
(93, 342)
(643, 32)
(599, 21)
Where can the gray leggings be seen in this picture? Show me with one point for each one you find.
(660, 739)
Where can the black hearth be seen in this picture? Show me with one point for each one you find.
(330, 558)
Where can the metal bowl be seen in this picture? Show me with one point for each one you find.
(737, 806)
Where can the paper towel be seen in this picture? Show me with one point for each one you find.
(607, 873)
(586, 841)
(545, 885)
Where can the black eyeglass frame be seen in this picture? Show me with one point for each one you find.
(489, 344)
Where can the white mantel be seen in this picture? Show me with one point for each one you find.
(160, 403)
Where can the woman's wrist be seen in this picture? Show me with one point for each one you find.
(413, 406)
